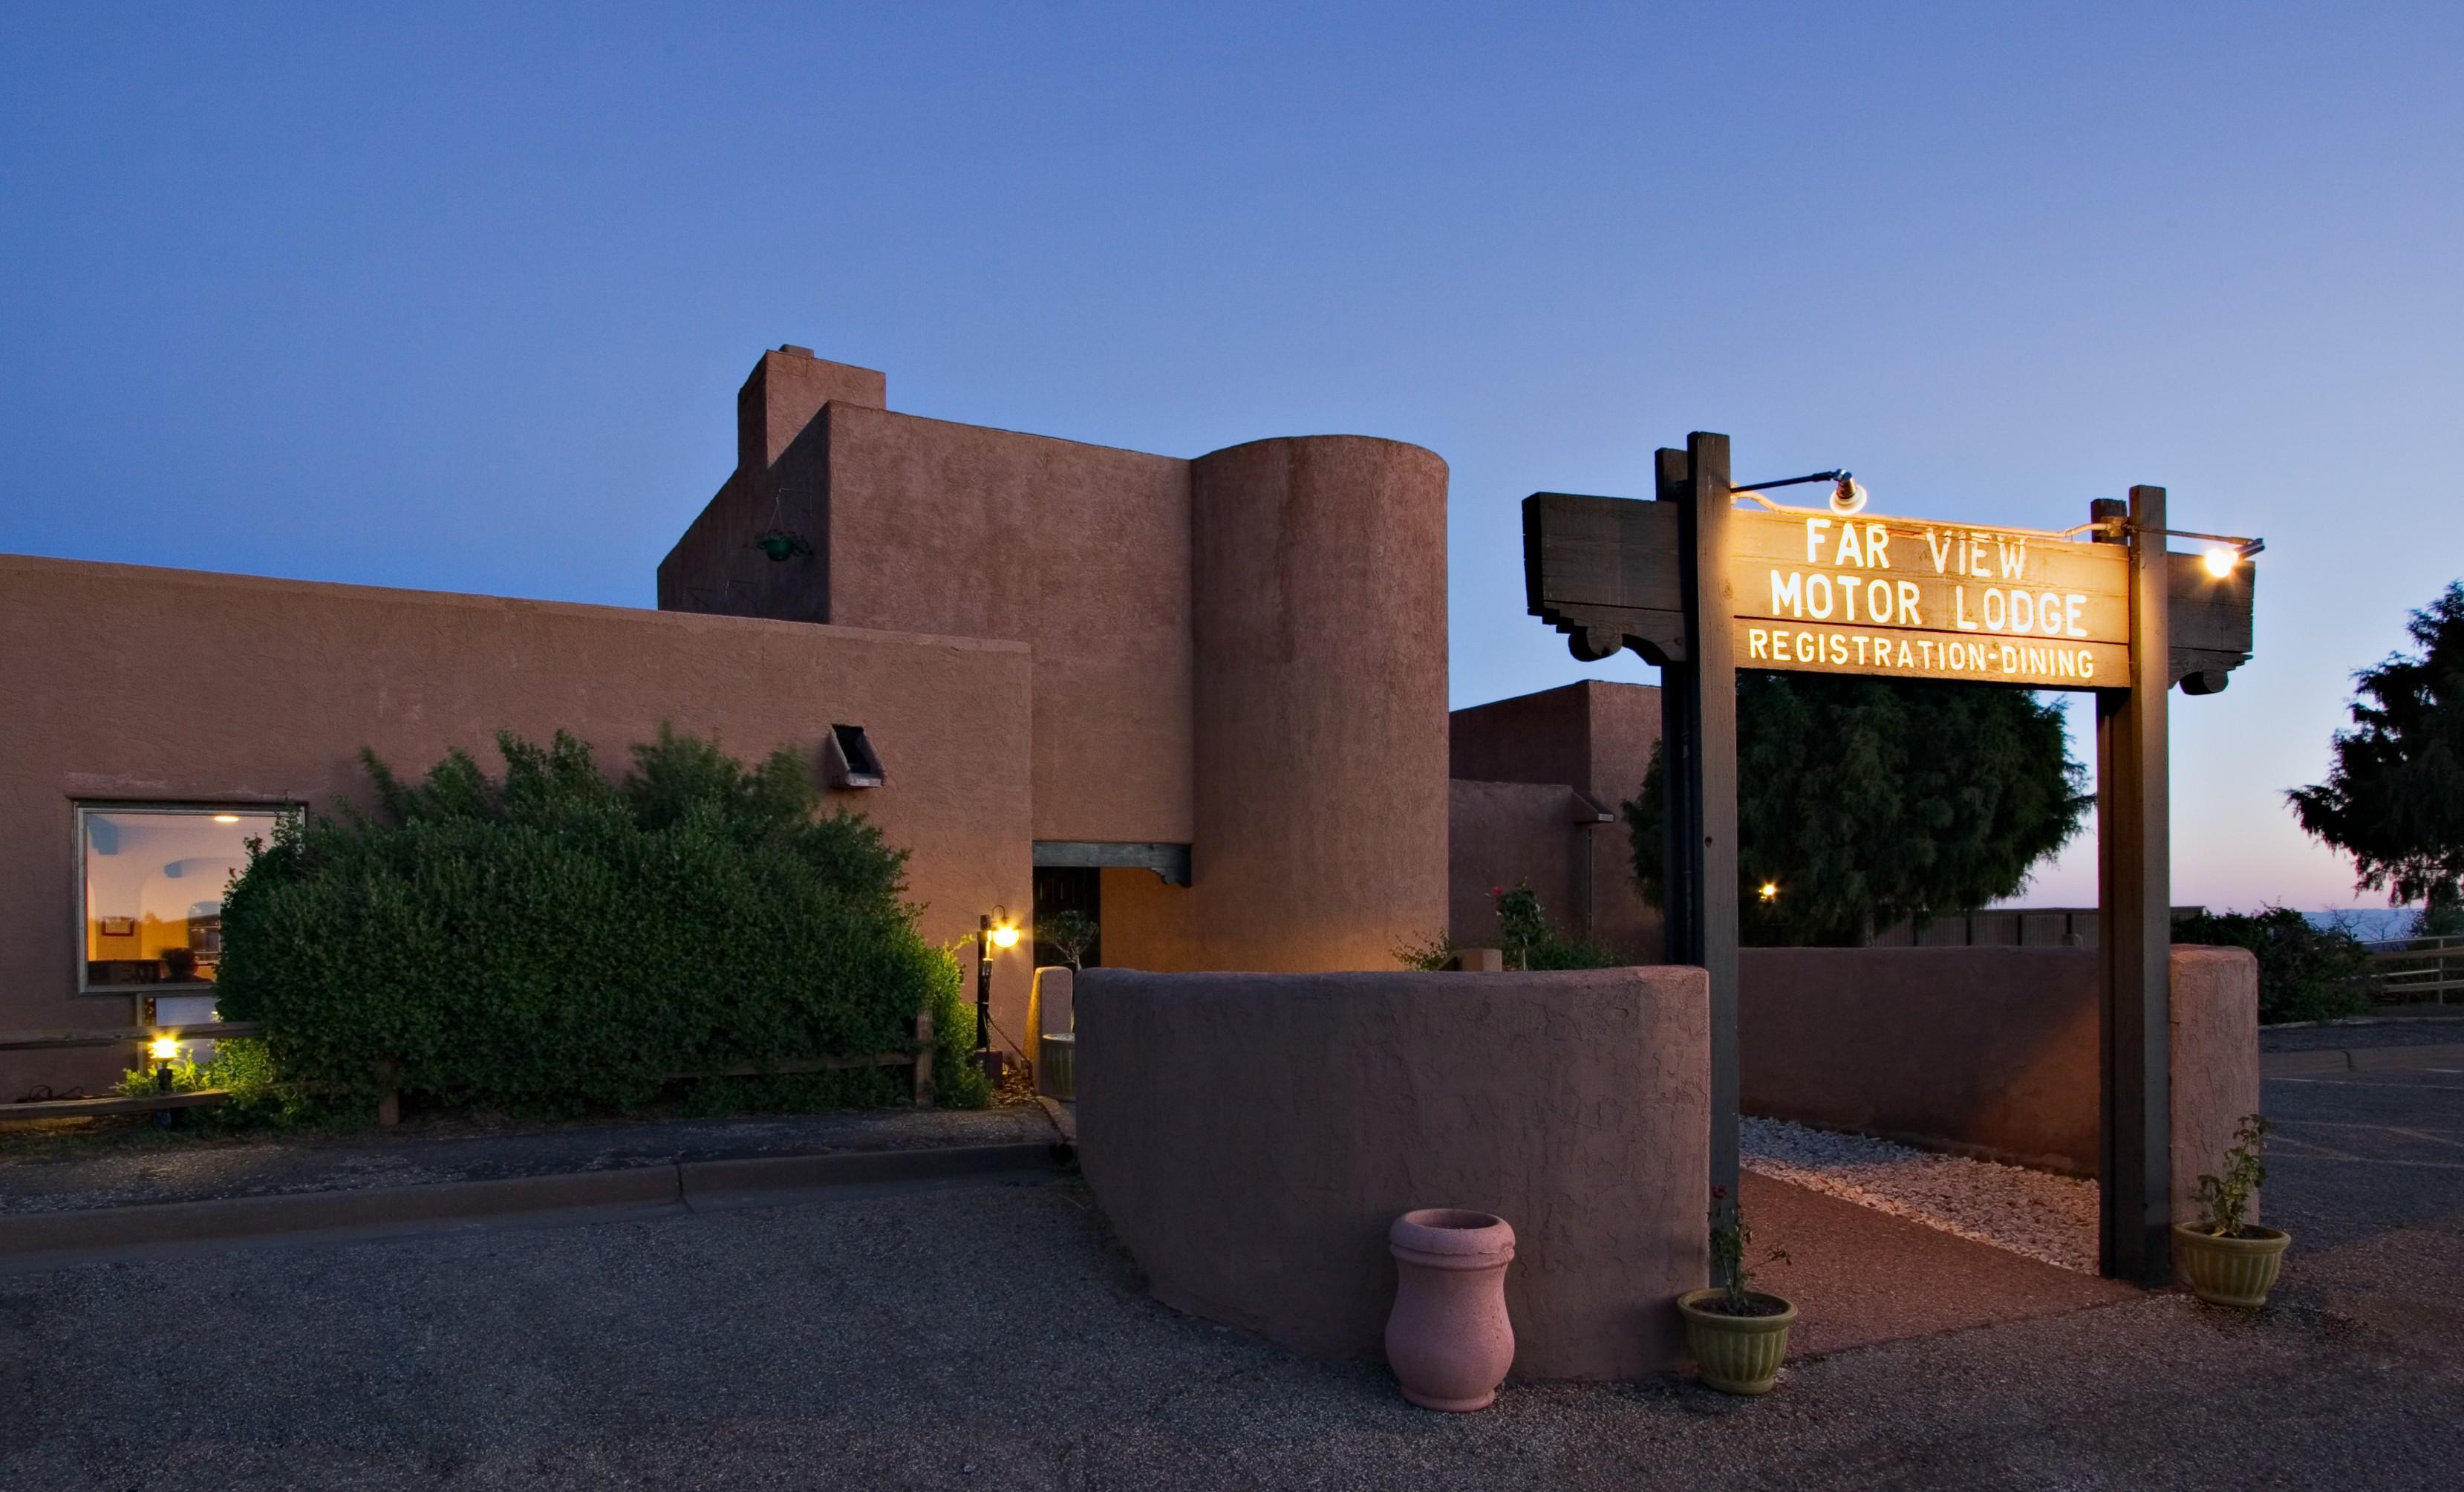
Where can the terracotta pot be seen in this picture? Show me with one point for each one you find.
(2229, 1271)
(1448, 1340)
(1737, 1354)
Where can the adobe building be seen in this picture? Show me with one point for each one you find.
(1539, 785)
(1203, 699)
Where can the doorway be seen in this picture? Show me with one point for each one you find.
(1060, 889)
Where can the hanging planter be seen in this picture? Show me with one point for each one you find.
(783, 546)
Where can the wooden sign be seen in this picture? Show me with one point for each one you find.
(1703, 588)
(1606, 570)
(1823, 593)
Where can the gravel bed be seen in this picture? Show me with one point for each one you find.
(2045, 1216)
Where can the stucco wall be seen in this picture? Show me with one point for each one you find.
(780, 481)
(1319, 600)
(2216, 1062)
(1251, 1136)
(929, 526)
(1245, 654)
(1081, 551)
(1501, 833)
(1990, 1051)
(1595, 737)
(289, 680)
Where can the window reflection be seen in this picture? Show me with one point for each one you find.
(154, 884)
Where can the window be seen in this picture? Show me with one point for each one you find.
(150, 890)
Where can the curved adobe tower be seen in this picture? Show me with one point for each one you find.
(1318, 578)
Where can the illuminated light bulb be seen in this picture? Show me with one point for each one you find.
(1006, 935)
(1847, 495)
(1771, 891)
(227, 817)
(163, 1048)
(2221, 561)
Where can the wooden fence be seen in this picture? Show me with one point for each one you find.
(2418, 971)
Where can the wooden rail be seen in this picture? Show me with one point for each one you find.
(390, 1098)
(126, 1036)
(2417, 970)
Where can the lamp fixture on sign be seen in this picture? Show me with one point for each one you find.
(1847, 494)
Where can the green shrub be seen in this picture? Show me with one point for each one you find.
(1530, 941)
(552, 941)
(1431, 955)
(2305, 972)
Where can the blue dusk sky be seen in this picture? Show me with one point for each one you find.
(459, 298)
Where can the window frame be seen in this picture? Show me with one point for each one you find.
(79, 810)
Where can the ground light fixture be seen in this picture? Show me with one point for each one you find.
(162, 1049)
(993, 929)
(1771, 891)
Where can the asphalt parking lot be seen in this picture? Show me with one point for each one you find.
(989, 1335)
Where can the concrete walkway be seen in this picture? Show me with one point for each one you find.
(1861, 1277)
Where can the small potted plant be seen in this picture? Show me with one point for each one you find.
(2228, 1260)
(1739, 1334)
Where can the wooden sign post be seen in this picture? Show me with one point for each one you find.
(1703, 588)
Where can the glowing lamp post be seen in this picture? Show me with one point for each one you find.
(993, 929)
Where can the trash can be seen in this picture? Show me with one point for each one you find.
(1056, 1066)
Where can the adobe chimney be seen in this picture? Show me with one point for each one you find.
(787, 388)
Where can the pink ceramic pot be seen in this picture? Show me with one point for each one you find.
(1448, 1340)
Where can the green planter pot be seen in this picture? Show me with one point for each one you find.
(1737, 1354)
(2235, 1272)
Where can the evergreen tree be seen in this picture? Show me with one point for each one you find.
(1862, 801)
(2395, 797)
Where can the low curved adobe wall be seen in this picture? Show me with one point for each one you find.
(1250, 1137)
(1986, 1051)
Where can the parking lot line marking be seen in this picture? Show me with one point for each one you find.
(2375, 1160)
(2349, 1124)
(2410, 1087)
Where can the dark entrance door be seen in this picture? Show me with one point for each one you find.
(1060, 889)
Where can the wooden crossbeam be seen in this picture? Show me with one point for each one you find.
(126, 1036)
(89, 1108)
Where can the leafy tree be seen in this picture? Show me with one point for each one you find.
(1070, 933)
(1863, 801)
(2395, 797)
